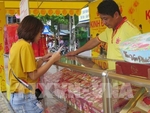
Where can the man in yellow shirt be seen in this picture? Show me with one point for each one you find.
(118, 30)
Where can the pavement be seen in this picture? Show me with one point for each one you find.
(4, 104)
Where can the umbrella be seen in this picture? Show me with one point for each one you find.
(50, 34)
(46, 30)
(60, 33)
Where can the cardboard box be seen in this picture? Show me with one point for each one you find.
(139, 70)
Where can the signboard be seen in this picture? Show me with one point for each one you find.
(24, 9)
(2, 69)
(96, 25)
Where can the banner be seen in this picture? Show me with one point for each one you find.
(24, 9)
(2, 23)
(96, 26)
(137, 12)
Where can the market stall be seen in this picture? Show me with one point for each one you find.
(78, 85)
(11, 7)
(84, 84)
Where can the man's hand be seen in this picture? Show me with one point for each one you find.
(71, 53)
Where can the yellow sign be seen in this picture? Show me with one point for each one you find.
(2, 72)
(137, 12)
(96, 26)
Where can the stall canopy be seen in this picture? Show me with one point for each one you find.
(50, 7)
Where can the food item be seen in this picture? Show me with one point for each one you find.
(136, 49)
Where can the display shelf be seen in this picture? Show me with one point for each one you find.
(82, 64)
(141, 82)
(133, 101)
(56, 105)
(86, 65)
(75, 63)
(65, 107)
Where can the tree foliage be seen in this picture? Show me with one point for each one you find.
(81, 34)
(55, 21)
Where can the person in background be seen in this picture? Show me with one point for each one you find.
(118, 30)
(23, 64)
(61, 41)
(50, 42)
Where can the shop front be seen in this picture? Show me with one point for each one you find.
(83, 85)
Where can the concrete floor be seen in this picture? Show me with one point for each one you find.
(4, 104)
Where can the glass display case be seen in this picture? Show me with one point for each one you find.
(87, 85)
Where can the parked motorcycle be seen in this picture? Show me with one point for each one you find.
(64, 50)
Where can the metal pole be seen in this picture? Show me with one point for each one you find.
(106, 88)
(70, 29)
(104, 81)
(72, 33)
(109, 94)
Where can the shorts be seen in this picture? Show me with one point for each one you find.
(25, 103)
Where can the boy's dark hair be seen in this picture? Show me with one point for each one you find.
(108, 7)
(29, 28)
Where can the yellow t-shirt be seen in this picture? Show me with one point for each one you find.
(123, 31)
(21, 61)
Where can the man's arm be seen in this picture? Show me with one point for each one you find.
(89, 45)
